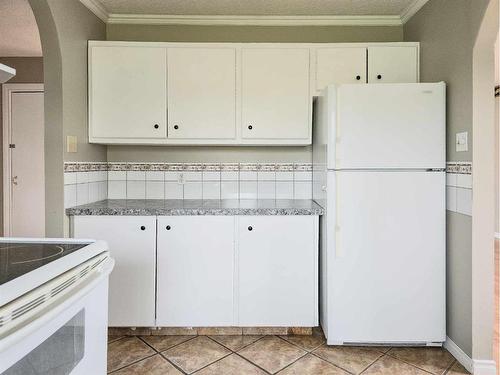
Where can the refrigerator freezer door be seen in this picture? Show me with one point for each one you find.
(386, 257)
(380, 126)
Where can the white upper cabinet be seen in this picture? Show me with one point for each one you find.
(340, 65)
(393, 64)
(127, 93)
(275, 99)
(202, 93)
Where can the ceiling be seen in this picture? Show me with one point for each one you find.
(376, 12)
(18, 30)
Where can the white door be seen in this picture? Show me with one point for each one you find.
(127, 92)
(386, 257)
(195, 271)
(202, 93)
(340, 65)
(24, 167)
(393, 64)
(278, 271)
(132, 244)
(275, 100)
(388, 126)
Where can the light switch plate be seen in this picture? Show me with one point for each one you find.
(462, 142)
(71, 142)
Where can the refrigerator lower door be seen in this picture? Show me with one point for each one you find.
(386, 257)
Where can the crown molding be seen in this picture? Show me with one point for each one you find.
(412, 9)
(255, 20)
(96, 7)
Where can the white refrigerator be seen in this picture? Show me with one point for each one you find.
(379, 171)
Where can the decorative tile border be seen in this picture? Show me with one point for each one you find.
(461, 167)
(459, 187)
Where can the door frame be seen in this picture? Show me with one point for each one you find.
(7, 90)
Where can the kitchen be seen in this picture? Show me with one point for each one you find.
(175, 125)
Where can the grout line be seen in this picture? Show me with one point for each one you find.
(254, 364)
(132, 363)
(408, 363)
(172, 363)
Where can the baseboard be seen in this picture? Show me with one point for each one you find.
(459, 354)
(484, 367)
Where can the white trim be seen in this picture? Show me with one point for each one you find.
(96, 7)
(497, 235)
(458, 353)
(7, 90)
(164, 19)
(411, 10)
(484, 367)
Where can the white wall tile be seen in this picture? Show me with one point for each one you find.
(117, 189)
(451, 198)
(192, 176)
(155, 175)
(211, 176)
(93, 176)
(464, 201)
(174, 190)
(136, 189)
(69, 178)
(155, 190)
(229, 190)
(303, 190)
(103, 175)
(284, 189)
(303, 175)
(172, 175)
(93, 192)
(464, 180)
(82, 194)
(69, 196)
(266, 176)
(284, 176)
(248, 176)
(193, 190)
(136, 176)
(103, 190)
(117, 176)
(266, 189)
(211, 190)
(229, 176)
(82, 177)
(248, 189)
(451, 179)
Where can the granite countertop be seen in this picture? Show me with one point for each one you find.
(179, 207)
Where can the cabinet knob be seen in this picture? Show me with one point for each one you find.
(143, 227)
(379, 76)
(176, 127)
(250, 127)
(250, 228)
(157, 126)
(168, 227)
(358, 78)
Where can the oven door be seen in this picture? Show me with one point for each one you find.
(69, 337)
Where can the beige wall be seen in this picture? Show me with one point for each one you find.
(65, 26)
(169, 33)
(446, 30)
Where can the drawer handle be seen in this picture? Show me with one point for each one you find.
(250, 228)
(143, 227)
(379, 76)
(168, 227)
(176, 127)
(358, 78)
(250, 127)
(157, 126)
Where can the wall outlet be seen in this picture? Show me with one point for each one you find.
(462, 142)
(71, 143)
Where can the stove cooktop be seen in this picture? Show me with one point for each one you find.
(17, 258)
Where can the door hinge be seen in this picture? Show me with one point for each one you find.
(12, 145)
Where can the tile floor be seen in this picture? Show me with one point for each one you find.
(256, 355)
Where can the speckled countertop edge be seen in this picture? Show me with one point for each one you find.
(157, 207)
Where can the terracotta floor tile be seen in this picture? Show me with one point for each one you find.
(156, 365)
(308, 343)
(126, 351)
(350, 358)
(162, 343)
(194, 354)
(391, 366)
(271, 353)
(231, 365)
(457, 369)
(312, 365)
(433, 360)
(237, 342)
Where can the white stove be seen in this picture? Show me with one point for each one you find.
(53, 306)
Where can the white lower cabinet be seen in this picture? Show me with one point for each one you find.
(131, 241)
(195, 271)
(278, 270)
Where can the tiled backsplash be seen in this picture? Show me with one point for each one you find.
(192, 181)
(85, 186)
(459, 187)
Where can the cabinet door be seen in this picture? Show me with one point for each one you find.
(340, 65)
(195, 271)
(127, 92)
(131, 241)
(202, 93)
(392, 64)
(278, 271)
(275, 94)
